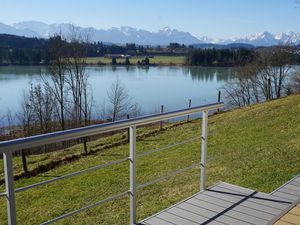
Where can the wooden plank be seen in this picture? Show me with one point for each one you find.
(227, 204)
(228, 211)
(190, 215)
(201, 212)
(249, 204)
(211, 214)
(296, 183)
(295, 211)
(246, 218)
(239, 208)
(290, 191)
(144, 223)
(292, 187)
(261, 207)
(197, 210)
(175, 219)
(297, 179)
(223, 195)
(282, 223)
(236, 189)
(206, 205)
(285, 195)
(290, 218)
(259, 198)
(156, 221)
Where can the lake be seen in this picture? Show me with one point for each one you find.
(150, 87)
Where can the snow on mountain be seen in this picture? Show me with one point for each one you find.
(126, 34)
(38, 27)
(6, 29)
(120, 35)
(268, 39)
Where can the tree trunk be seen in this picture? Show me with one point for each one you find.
(85, 145)
(24, 162)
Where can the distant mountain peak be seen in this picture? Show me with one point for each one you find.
(127, 34)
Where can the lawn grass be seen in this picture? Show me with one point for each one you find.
(256, 147)
(157, 60)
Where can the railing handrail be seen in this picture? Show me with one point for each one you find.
(60, 136)
(8, 147)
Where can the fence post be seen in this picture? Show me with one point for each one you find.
(203, 150)
(128, 130)
(188, 116)
(219, 99)
(132, 175)
(161, 122)
(10, 189)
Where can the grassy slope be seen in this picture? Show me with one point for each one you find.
(159, 60)
(256, 147)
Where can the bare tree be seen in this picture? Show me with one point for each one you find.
(274, 65)
(77, 79)
(120, 103)
(10, 122)
(43, 104)
(57, 71)
(26, 117)
(263, 79)
(295, 82)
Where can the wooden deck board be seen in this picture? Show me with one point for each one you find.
(224, 204)
(227, 204)
(290, 190)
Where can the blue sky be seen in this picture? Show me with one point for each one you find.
(214, 18)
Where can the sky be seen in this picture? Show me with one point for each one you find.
(213, 18)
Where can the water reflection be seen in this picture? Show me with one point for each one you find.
(149, 86)
(210, 73)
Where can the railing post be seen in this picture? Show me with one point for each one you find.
(188, 116)
(10, 189)
(161, 122)
(132, 132)
(203, 150)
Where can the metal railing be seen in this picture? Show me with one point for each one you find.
(7, 148)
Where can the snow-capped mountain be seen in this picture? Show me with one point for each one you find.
(126, 34)
(6, 29)
(261, 39)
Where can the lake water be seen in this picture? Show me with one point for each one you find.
(150, 87)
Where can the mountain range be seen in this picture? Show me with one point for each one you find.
(126, 34)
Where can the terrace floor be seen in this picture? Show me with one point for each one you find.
(229, 204)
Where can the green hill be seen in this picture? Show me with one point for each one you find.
(257, 147)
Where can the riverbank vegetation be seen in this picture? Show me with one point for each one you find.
(269, 74)
(255, 147)
(220, 57)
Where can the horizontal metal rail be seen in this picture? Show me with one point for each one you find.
(60, 136)
(167, 147)
(71, 174)
(168, 176)
(114, 197)
(8, 147)
(101, 166)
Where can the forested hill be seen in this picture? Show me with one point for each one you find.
(12, 41)
(18, 50)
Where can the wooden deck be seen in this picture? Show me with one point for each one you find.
(292, 217)
(232, 205)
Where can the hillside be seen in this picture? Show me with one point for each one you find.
(256, 147)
